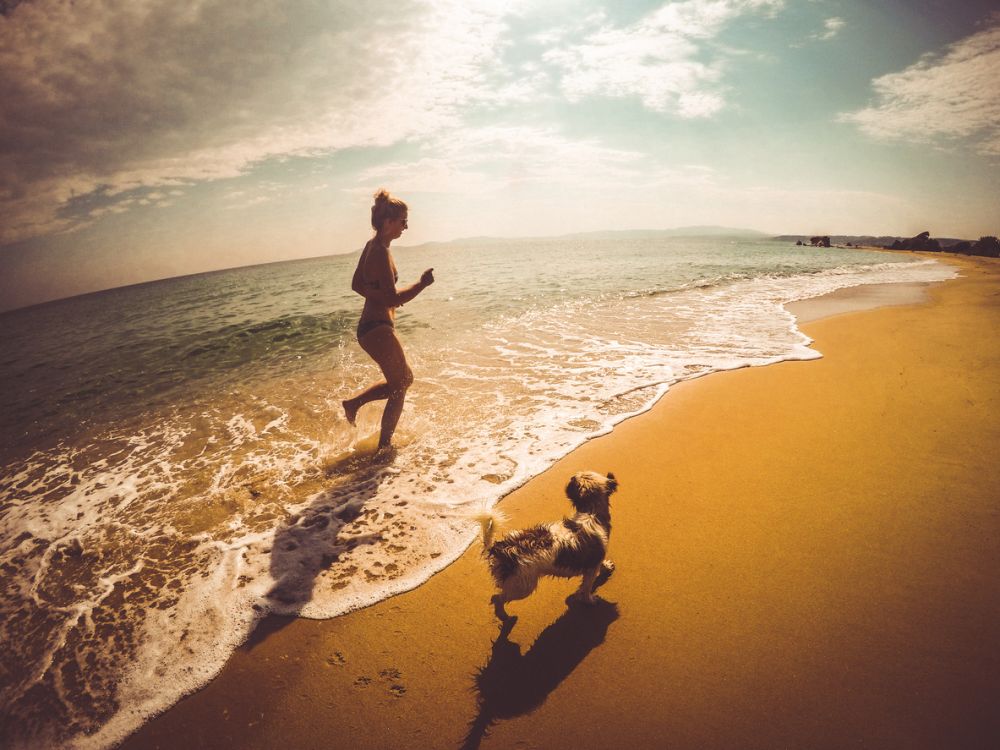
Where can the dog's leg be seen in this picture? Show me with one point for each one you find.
(512, 589)
(604, 573)
(518, 587)
(498, 608)
(586, 591)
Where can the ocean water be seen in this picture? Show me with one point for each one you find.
(176, 464)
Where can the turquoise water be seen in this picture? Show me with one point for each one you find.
(176, 463)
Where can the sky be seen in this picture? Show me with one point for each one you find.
(144, 139)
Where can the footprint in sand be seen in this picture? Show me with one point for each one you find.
(394, 677)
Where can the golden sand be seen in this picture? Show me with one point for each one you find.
(807, 558)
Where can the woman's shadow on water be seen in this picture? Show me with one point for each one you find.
(513, 684)
(310, 541)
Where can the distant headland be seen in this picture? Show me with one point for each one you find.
(988, 246)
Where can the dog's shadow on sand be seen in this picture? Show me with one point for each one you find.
(513, 684)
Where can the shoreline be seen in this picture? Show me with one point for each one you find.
(857, 299)
(400, 673)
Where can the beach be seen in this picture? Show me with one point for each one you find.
(806, 557)
(296, 297)
(196, 475)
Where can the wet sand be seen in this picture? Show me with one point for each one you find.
(857, 298)
(807, 557)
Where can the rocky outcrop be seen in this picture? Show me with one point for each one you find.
(922, 242)
(987, 247)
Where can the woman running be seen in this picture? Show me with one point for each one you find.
(375, 279)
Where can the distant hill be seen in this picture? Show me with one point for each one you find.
(693, 231)
(609, 234)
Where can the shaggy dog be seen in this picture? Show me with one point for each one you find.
(571, 547)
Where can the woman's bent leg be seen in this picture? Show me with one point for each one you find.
(384, 347)
(374, 392)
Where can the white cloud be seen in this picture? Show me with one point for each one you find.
(112, 95)
(831, 27)
(657, 59)
(699, 104)
(119, 99)
(496, 158)
(942, 98)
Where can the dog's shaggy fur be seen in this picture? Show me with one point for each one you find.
(571, 547)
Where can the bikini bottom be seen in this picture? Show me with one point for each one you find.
(370, 325)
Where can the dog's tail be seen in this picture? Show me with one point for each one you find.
(489, 519)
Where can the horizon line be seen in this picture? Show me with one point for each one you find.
(723, 232)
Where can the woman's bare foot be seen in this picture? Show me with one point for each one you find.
(385, 455)
(350, 410)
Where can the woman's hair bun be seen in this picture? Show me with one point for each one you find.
(386, 207)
